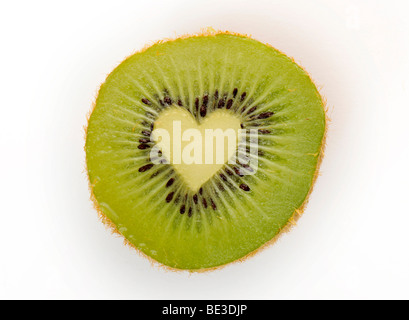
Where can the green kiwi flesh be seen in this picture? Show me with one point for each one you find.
(231, 215)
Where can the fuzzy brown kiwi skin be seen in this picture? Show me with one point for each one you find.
(298, 212)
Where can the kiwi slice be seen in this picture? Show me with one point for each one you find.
(211, 215)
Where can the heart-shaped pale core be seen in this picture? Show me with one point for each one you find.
(196, 151)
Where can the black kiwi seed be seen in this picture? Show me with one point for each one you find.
(237, 170)
(244, 187)
(247, 167)
(229, 104)
(264, 131)
(197, 103)
(222, 102)
(241, 125)
(203, 110)
(265, 115)
(235, 92)
(190, 212)
(216, 95)
(146, 167)
(169, 197)
(143, 146)
(154, 175)
(204, 203)
(168, 100)
(201, 191)
(161, 103)
(223, 177)
(195, 198)
(252, 110)
(144, 140)
(170, 182)
(146, 101)
(205, 100)
(182, 209)
(213, 204)
(243, 96)
(180, 104)
(146, 133)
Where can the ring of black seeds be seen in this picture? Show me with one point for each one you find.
(202, 110)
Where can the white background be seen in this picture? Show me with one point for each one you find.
(352, 242)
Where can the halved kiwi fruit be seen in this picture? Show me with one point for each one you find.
(183, 218)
